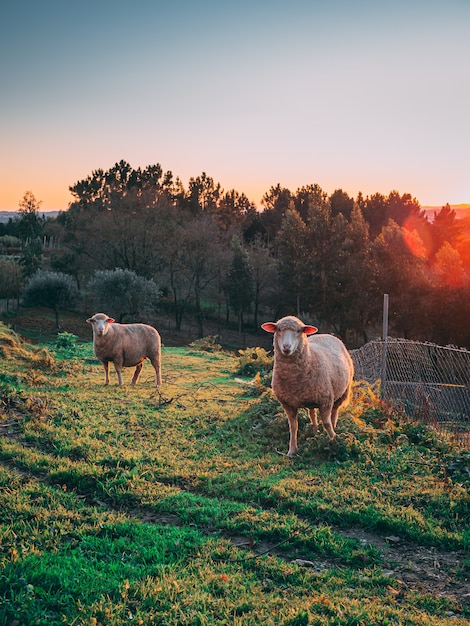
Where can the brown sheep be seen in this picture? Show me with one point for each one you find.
(126, 345)
(311, 372)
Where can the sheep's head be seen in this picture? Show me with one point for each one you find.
(288, 333)
(100, 323)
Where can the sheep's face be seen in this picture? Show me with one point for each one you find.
(100, 323)
(288, 334)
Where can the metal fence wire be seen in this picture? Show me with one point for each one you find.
(430, 383)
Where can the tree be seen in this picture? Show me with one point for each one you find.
(235, 209)
(31, 257)
(114, 221)
(449, 302)
(446, 227)
(30, 228)
(30, 224)
(203, 194)
(122, 293)
(341, 203)
(239, 283)
(201, 259)
(401, 272)
(403, 209)
(374, 210)
(449, 267)
(328, 264)
(52, 290)
(276, 202)
(293, 262)
(265, 280)
(358, 300)
(310, 198)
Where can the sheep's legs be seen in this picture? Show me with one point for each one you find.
(106, 372)
(137, 371)
(326, 415)
(291, 413)
(334, 416)
(156, 366)
(118, 368)
(313, 420)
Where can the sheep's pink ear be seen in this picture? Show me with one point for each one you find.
(110, 320)
(89, 320)
(269, 327)
(309, 330)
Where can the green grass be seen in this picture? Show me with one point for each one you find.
(137, 506)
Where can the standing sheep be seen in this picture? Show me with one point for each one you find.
(314, 372)
(126, 345)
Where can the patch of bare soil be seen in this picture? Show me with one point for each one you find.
(424, 568)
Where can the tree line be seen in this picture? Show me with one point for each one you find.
(212, 253)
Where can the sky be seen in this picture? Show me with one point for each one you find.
(361, 95)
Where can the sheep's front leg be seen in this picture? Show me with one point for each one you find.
(137, 371)
(106, 372)
(291, 413)
(326, 415)
(313, 419)
(118, 368)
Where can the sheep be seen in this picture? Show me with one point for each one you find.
(126, 345)
(314, 372)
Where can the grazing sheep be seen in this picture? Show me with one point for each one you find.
(314, 372)
(126, 345)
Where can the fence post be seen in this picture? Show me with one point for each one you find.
(383, 376)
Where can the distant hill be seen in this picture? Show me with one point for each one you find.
(7, 215)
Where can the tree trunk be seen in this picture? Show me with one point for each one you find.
(57, 321)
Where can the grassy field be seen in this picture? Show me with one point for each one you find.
(135, 506)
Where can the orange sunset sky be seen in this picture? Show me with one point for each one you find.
(362, 95)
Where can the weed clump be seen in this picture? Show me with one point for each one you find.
(66, 341)
(207, 344)
(254, 361)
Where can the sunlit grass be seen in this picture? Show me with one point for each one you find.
(122, 505)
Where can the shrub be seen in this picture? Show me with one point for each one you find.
(66, 341)
(207, 344)
(53, 290)
(122, 293)
(254, 360)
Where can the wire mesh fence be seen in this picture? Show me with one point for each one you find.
(430, 383)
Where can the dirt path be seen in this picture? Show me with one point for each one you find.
(424, 568)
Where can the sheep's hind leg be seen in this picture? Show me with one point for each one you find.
(137, 371)
(313, 420)
(334, 416)
(158, 374)
(291, 413)
(326, 414)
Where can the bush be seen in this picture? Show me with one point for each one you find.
(254, 360)
(122, 293)
(206, 344)
(53, 290)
